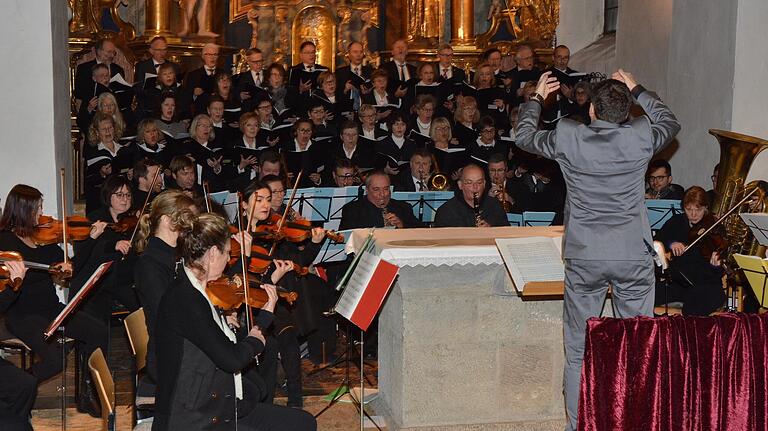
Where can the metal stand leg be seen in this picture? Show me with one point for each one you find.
(63, 387)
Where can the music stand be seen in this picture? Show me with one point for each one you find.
(758, 224)
(538, 218)
(661, 210)
(365, 285)
(57, 325)
(756, 271)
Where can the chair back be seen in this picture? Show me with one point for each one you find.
(105, 386)
(136, 327)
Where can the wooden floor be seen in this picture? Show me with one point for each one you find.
(47, 410)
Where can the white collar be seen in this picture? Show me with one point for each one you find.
(298, 149)
(220, 322)
(349, 154)
(155, 62)
(247, 145)
(423, 126)
(220, 124)
(104, 147)
(398, 141)
(145, 147)
(482, 144)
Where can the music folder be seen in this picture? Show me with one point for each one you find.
(77, 299)
(366, 289)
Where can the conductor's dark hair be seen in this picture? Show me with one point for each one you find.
(612, 101)
(659, 163)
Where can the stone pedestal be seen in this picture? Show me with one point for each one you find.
(453, 353)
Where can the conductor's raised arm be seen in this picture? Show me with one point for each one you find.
(529, 138)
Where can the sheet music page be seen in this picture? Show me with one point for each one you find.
(356, 285)
(758, 223)
(535, 258)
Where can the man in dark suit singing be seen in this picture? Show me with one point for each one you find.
(158, 51)
(607, 235)
(105, 54)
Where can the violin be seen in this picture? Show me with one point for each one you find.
(299, 229)
(51, 231)
(228, 293)
(5, 281)
(260, 259)
(713, 242)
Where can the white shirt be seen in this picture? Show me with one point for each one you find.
(349, 154)
(419, 187)
(402, 71)
(298, 148)
(113, 153)
(380, 99)
(256, 75)
(238, 378)
(482, 144)
(398, 141)
(446, 72)
(370, 134)
(210, 71)
(423, 128)
(357, 70)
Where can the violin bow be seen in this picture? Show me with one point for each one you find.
(146, 201)
(207, 197)
(287, 208)
(62, 176)
(248, 309)
(720, 220)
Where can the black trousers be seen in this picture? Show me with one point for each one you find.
(92, 332)
(18, 390)
(269, 417)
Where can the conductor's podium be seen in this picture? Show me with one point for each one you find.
(457, 345)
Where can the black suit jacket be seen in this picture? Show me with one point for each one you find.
(457, 74)
(84, 80)
(344, 74)
(394, 75)
(198, 78)
(294, 76)
(148, 66)
(362, 213)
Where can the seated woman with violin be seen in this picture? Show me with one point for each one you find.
(203, 368)
(155, 269)
(304, 242)
(37, 303)
(19, 388)
(695, 275)
(117, 223)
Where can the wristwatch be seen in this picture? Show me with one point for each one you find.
(537, 97)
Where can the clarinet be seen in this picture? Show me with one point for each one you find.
(476, 209)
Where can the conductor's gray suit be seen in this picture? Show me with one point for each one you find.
(607, 235)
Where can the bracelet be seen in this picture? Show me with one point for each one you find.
(538, 97)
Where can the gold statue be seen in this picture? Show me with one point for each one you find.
(342, 38)
(281, 18)
(423, 19)
(253, 20)
(203, 12)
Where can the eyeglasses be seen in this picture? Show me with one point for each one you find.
(278, 192)
(121, 195)
(471, 183)
(265, 107)
(658, 177)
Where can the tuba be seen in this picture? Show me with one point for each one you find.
(437, 181)
(737, 152)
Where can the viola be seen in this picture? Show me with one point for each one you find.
(228, 293)
(713, 242)
(299, 229)
(5, 281)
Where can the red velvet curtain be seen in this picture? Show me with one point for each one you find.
(675, 373)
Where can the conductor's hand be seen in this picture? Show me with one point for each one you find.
(272, 294)
(547, 84)
(625, 77)
(677, 248)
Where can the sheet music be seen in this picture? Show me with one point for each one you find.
(758, 223)
(756, 271)
(357, 284)
(532, 259)
(95, 277)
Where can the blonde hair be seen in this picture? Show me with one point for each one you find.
(193, 126)
(117, 116)
(476, 81)
(437, 122)
(199, 234)
(93, 129)
(172, 203)
(458, 116)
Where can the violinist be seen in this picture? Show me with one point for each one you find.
(695, 279)
(315, 295)
(112, 244)
(19, 388)
(258, 205)
(37, 303)
(155, 268)
(205, 372)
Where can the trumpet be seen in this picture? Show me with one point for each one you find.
(385, 216)
(437, 181)
(501, 196)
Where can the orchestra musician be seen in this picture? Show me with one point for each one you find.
(155, 269)
(37, 304)
(473, 207)
(205, 372)
(694, 279)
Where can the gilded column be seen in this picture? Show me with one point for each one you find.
(462, 23)
(158, 18)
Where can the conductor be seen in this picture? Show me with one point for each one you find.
(607, 235)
